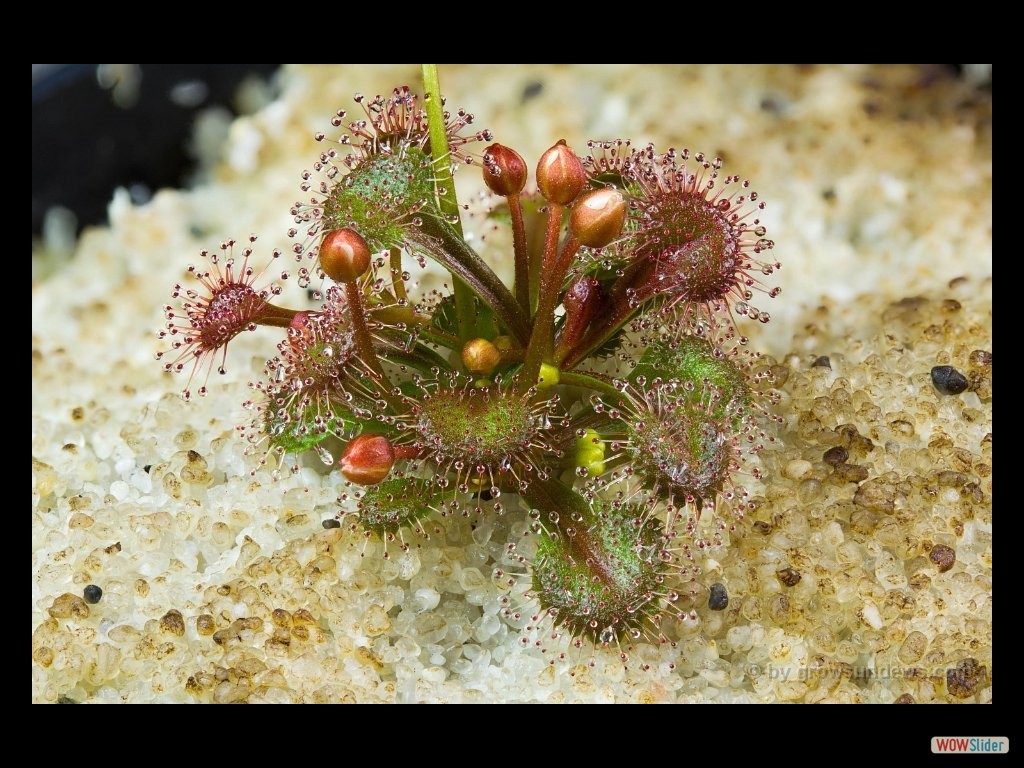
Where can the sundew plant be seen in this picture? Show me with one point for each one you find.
(609, 392)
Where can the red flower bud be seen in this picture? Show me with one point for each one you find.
(504, 170)
(560, 174)
(344, 255)
(597, 217)
(367, 460)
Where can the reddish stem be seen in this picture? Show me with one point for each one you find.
(620, 307)
(396, 274)
(522, 254)
(582, 302)
(364, 343)
(619, 312)
(575, 522)
(553, 269)
(407, 452)
(274, 316)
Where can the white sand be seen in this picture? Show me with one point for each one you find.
(867, 206)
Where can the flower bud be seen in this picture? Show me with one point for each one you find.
(560, 174)
(504, 170)
(581, 302)
(367, 460)
(597, 217)
(504, 343)
(344, 255)
(589, 453)
(480, 356)
(548, 376)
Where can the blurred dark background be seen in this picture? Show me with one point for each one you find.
(98, 127)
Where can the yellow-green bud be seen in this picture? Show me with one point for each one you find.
(547, 377)
(589, 453)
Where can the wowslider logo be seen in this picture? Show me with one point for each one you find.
(958, 745)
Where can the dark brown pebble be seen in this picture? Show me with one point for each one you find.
(762, 527)
(852, 473)
(948, 380)
(173, 623)
(790, 577)
(980, 358)
(836, 455)
(330, 522)
(965, 678)
(853, 440)
(944, 557)
(906, 698)
(822, 362)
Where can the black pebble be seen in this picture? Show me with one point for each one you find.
(533, 89)
(92, 594)
(147, 468)
(948, 380)
(822, 362)
(330, 522)
(719, 598)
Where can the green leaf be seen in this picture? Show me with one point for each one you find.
(484, 324)
(444, 318)
(611, 345)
